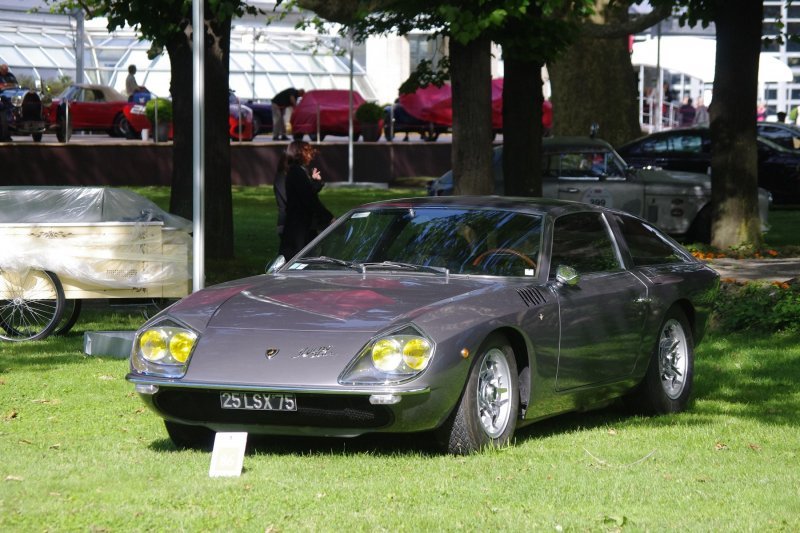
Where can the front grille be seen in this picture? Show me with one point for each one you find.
(314, 410)
(531, 296)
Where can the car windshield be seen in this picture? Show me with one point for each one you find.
(434, 240)
(580, 163)
(774, 146)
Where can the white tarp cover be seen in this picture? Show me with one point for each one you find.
(102, 236)
(697, 57)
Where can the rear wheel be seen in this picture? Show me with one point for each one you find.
(668, 383)
(31, 304)
(37, 137)
(190, 437)
(72, 310)
(486, 414)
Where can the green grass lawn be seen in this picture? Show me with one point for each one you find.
(79, 452)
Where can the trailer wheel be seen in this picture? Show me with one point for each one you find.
(31, 304)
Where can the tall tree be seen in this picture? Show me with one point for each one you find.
(554, 26)
(734, 156)
(593, 81)
(530, 33)
(168, 24)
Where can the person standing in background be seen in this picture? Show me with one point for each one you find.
(280, 103)
(701, 117)
(687, 112)
(7, 79)
(301, 214)
(131, 85)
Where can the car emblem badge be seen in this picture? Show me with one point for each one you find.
(271, 352)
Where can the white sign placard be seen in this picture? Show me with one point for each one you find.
(228, 455)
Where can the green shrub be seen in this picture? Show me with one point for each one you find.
(757, 306)
(369, 113)
(164, 110)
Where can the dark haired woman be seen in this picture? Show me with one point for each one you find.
(300, 212)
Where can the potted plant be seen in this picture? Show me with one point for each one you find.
(369, 115)
(164, 119)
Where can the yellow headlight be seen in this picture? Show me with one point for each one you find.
(387, 355)
(416, 353)
(153, 344)
(180, 345)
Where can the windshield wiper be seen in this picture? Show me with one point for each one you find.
(325, 260)
(408, 266)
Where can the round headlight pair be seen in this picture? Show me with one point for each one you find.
(166, 345)
(401, 353)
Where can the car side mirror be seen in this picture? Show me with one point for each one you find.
(567, 275)
(277, 263)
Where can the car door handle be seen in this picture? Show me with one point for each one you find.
(570, 189)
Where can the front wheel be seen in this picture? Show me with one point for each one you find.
(37, 137)
(486, 414)
(668, 383)
(31, 304)
(190, 437)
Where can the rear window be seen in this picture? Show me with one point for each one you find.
(647, 245)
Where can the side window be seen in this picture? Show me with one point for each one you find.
(658, 145)
(647, 245)
(688, 144)
(582, 241)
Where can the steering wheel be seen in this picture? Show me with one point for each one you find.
(510, 251)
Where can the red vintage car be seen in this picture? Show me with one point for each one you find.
(137, 120)
(429, 110)
(325, 112)
(90, 108)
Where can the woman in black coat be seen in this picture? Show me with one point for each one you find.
(301, 214)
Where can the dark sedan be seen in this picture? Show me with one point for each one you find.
(689, 149)
(462, 317)
(787, 135)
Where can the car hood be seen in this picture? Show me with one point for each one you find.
(673, 177)
(319, 301)
(302, 330)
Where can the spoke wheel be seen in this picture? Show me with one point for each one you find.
(486, 414)
(673, 359)
(494, 393)
(667, 385)
(31, 304)
(72, 310)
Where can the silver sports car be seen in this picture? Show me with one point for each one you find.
(461, 317)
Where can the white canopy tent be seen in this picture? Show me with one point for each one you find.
(696, 57)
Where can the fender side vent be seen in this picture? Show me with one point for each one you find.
(531, 296)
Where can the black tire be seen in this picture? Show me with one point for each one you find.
(37, 137)
(34, 304)
(486, 414)
(388, 133)
(256, 126)
(190, 437)
(72, 310)
(667, 385)
(120, 127)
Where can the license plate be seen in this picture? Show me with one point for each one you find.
(257, 401)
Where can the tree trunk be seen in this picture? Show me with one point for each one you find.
(522, 127)
(472, 116)
(218, 227)
(734, 157)
(593, 81)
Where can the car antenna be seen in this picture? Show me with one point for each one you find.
(593, 129)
